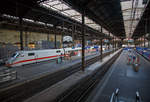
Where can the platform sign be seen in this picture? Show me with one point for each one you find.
(78, 45)
(67, 39)
(106, 41)
(130, 40)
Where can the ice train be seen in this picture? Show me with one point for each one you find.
(26, 57)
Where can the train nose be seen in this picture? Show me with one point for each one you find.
(8, 63)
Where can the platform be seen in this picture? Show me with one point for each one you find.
(57, 90)
(122, 76)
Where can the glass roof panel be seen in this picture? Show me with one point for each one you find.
(131, 20)
(64, 9)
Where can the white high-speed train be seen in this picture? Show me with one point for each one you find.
(26, 57)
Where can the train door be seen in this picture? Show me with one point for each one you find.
(36, 58)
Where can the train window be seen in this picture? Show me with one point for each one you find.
(15, 55)
(31, 54)
(58, 51)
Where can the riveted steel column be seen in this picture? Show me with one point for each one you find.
(83, 40)
(113, 43)
(101, 43)
(21, 33)
(62, 34)
(144, 40)
(48, 35)
(141, 41)
(121, 42)
(135, 43)
(101, 56)
(26, 38)
(55, 43)
(73, 30)
(101, 29)
(148, 43)
(109, 42)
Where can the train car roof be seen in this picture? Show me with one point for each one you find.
(38, 50)
(48, 50)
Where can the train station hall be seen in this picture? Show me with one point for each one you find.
(74, 51)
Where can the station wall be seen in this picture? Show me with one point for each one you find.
(13, 37)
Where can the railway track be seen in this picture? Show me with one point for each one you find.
(18, 93)
(80, 92)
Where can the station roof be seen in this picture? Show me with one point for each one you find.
(106, 13)
(64, 9)
(132, 10)
(17, 7)
(143, 25)
(50, 16)
(31, 9)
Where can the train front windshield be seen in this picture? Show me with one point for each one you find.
(15, 55)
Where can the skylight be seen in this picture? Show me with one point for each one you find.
(138, 6)
(64, 9)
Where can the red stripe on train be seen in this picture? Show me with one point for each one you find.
(33, 59)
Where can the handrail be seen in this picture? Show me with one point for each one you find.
(138, 98)
(114, 96)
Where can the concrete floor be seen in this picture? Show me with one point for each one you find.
(56, 90)
(128, 81)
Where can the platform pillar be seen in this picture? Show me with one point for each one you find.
(113, 43)
(26, 39)
(101, 53)
(144, 40)
(62, 34)
(73, 31)
(48, 33)
(109, 42)
(55, 41)
(55, 37)
(83, 40)
(48, 36)
(21, 33)
(101, 29)
(141, 42)
(121, 42)
(135, 43)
